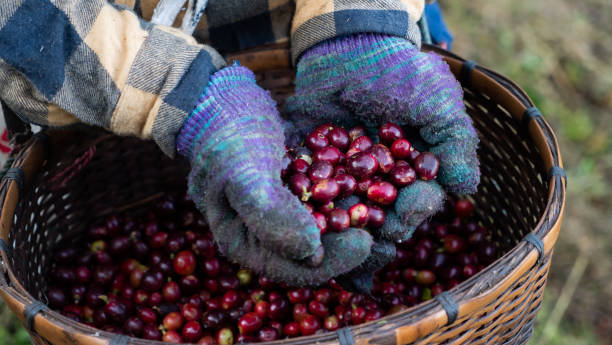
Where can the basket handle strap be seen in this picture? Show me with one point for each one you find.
(18, 130)
(6, 248)
(537, 243)
(449, 305)
(345, 336)
(119, 340)
(30, 312)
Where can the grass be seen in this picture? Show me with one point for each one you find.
(559, 51)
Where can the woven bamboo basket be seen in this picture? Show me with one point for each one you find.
(521, 199)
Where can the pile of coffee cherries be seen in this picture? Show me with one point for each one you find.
(334, 164)
(156, 273)
(159, 277)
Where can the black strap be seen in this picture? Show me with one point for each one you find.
(530, 114)
(450, 307)
(14, 124)
(345, 336)
(17, 175)
(30, 312)
(424, 27)
(465, 75)
(537, 243)
(5, 247)
(43, 137)
(557, 171)
(119, 340)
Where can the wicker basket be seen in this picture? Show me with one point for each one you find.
(521, 198)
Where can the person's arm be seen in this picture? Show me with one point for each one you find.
(318, 20)
(98, 63)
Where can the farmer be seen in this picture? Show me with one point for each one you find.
(104, 64)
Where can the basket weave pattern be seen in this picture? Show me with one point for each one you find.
(516, 197)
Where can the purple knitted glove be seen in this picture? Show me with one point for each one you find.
(235, 143)
(372, 78)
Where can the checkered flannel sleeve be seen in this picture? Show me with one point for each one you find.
(63, 62)
(232, 25)
(319, 20)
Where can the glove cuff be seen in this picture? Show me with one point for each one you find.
(227, 88)
(367, 47)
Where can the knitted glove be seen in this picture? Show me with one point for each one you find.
(372, 79)
(235, 143)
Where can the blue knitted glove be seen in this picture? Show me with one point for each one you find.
(235, 143)
(372, 79)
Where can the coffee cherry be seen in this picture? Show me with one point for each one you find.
(316, 141)
(384, 158)
(359, 215)
(116, 311)
(402, 176)
(279, 309)
(151, 332)
(230, 300)
(320, 170)
(401, 149)
(339, 138)
(356, 132)
(329, 154)
(324, 128)
(376, 216)
(389, 133)
(325, 190)
(487, 253)
(438, 261)
(301, 295)
(382, 193)
(262, 308)
(173, 321)
(309, 325)
(268, 334)
(468, 271)
(291, 329)
(318, 309)
(192, 332)
(147, 315)
(425, 277)
(184, 263)
(339, 220)
(358, 315)
(249, 323)
(361, 165)
(326, 208)
(300, 166)
(464, 208)
(453, 244)
(299, 311)
(374, 315)
(134, 326)
(331, 323)
(363, 186)
(361, 144)
(426, 166)
(225, 336)
(299, 184)
(347, 184)
(206, 340)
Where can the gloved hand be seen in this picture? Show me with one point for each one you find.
(373, 79)
(235, 143)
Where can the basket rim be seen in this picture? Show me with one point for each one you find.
(468, 295)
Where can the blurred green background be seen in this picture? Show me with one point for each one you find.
(560, 52)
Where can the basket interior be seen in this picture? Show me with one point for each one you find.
(510, 200)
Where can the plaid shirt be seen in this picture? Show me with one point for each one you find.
(101, 63)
